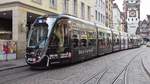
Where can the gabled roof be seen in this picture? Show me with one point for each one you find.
(144, 22)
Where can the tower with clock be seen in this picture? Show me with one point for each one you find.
(132, 10)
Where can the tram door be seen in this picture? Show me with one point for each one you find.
(64, 36)
(100, 43)
(60, 38)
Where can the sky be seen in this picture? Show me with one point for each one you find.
(145, 7)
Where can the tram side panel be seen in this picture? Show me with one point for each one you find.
(108, 48)
(116, 42)
(100, 43)
(83, 42)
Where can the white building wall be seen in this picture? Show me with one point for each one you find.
(133, 21)
(116, 19)
(100, 8)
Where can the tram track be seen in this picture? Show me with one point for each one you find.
(25, 72)
(102, 73)
(124, 69)
(121, 72)
(137, 71)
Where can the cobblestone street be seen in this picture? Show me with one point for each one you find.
(124, 67)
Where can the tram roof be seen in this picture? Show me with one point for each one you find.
(84, 21)
(75, 18)
(87, 22)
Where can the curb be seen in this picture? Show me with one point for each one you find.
(13, 67)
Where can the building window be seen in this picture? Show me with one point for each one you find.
(82, 10)
(53, 3)
(96, 3)
(99, 17)
(136, 19)
(96, 15)
(89, 12)
(75, 7)
(66, 6)
(132, 19)
(37, 1)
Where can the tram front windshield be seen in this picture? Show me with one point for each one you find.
(38, 36)
(40, 32)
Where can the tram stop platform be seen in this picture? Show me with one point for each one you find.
(5, 65)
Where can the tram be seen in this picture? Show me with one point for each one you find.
(67, 39)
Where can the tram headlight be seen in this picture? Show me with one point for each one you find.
(39, 57)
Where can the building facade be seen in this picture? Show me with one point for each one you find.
(18, 15)
(144, 29)
(109, 13)
(116, 17)
(132, 15)
(123, 22)
(100, 12)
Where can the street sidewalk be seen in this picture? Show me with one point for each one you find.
(5, 65)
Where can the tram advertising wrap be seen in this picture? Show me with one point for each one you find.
(7, 50)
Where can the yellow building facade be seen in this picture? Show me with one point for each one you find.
(20, 14)
(109, 13)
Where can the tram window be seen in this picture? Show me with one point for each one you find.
(59, 34)
(83, 42)
(117, 41)
(92, 42)
(75, 41)
(91, 39)
(103, 39)
(66, 38)
(108, 40)
(83, 38)
(59, 37)
(128, 40)
(123, 41)
(100, 36)
(114, 41)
